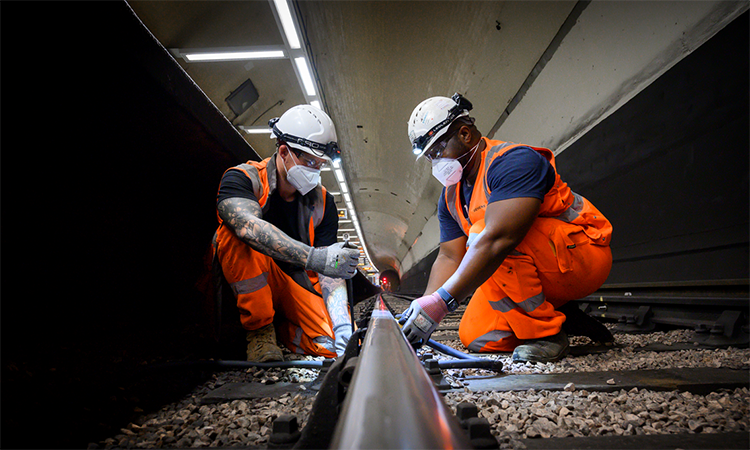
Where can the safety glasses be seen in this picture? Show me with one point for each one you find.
(310, 162)
(437, 149)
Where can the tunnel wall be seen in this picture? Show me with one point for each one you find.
(670, 171)
(114, 212)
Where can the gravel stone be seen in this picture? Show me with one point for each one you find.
(512, 415)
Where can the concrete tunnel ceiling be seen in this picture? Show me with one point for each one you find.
(541, 73)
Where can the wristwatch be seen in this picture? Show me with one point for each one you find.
(450, 302)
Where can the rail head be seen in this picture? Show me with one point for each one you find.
(392, 402)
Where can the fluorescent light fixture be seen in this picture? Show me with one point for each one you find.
(344, 187)
(337, 163)
(285, 15)
(346, 229)
(316, 104)
(304, 73)
(334, 193)
(339, 175)
(350, 206)
(233, 56)
(347, 198)
(325, 169)
(256, 130)
(344, 221)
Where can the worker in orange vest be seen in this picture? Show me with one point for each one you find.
(512, 233)
(276, 243)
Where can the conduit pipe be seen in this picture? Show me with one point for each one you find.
(448, 350)
(392, 402)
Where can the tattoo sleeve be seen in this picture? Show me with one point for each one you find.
(334, 295)
(243, 217)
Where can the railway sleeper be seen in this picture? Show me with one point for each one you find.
(335, 383)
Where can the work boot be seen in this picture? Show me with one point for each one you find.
(578, 323)
(546, 349)
(261, 345)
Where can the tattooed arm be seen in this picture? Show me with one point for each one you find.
(334, 294)
(243, 217)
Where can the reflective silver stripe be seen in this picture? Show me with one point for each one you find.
(297, 340)
(450, 202)
(488, 160)
(532, 303)
(573, 210)
(493, 336)
(326, 342)
(271, 173)
(503, 305)
(250, 285)
(254, 176)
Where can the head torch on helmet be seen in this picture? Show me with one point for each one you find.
(462, 104)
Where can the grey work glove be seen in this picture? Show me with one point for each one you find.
(422, 318)
(343, 333)
(334, 261)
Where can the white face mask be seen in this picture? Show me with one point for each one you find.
(449, 171)
(304, 179)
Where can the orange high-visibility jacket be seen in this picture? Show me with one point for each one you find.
(559, 203)
(263, 176)
(310, 214)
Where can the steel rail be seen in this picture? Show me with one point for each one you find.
(392, 402)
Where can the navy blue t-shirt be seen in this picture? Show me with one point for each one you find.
(521, 172)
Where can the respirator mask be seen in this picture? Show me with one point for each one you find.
(449, 171)
(303, 178)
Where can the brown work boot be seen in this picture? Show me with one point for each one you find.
(546, 349)
(261, 345)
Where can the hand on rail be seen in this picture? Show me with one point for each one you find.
(422, 318)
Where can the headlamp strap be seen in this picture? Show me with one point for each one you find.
(330, 149)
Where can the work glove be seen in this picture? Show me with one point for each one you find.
(342, 333)
(334, 261)
(422, 318)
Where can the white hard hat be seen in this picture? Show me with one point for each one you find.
(309, 129)
(431, 119)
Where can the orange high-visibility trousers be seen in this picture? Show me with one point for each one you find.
(262, 289)
(555, 263)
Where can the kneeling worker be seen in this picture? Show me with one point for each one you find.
(276, 243)
(512, 232)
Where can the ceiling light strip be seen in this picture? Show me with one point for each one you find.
(256, 130)
(305, 75)
(230, 53)
(233, 56)
(287, 23)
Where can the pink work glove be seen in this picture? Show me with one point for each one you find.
(422, 318)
